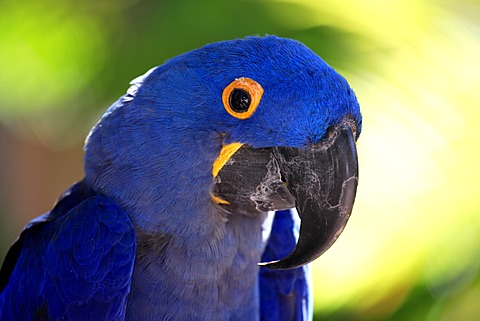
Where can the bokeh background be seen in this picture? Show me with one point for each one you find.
(411, 250)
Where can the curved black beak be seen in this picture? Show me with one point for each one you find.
(323, 179)
(320, 181)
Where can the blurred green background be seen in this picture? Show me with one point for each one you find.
(411, 250)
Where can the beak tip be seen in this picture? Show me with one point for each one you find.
(264, 264)
(277, 265)
(324, 205)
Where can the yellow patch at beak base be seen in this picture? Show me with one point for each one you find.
(225, 154)
(218, 200)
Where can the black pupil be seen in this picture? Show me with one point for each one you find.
(239, 100)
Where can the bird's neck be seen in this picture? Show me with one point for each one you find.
(162, 180)
(214, 273)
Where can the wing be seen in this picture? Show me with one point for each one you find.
(74, 263)
(284, 294)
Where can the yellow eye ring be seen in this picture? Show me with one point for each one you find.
(241, 97)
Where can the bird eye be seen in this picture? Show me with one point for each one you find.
(239, 100)
(241, 97)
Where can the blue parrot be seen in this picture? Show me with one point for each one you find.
(236, 153)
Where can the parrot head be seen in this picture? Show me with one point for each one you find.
(244, 127)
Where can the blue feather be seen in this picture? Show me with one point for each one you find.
(284, 294)
(64, 269)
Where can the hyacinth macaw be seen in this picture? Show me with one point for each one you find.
(172, 217)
